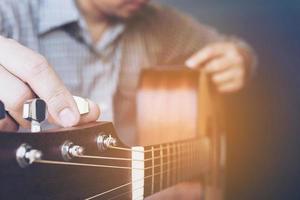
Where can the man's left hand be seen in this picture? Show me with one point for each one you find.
(225, 62)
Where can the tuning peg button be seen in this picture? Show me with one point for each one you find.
(34, 110)
(2, 110)
(82, 105)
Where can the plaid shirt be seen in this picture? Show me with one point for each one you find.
(107, 71)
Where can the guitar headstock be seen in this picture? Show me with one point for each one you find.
(63, 144)
(68, 142)
(54, 163)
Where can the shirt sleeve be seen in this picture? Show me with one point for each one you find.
(2, 27)
(7, 19)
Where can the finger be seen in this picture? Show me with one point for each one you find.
(8, 124)
(203, 56)
(228, 75)
(92, 115)
(230, 87)
(35, 70)
(13, 94)
(218, 65)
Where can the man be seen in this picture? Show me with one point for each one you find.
(96, 49)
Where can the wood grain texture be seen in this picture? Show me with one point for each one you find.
(172, 105)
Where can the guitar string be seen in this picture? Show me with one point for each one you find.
(102, 166)
(125, 159)
(129, 159)
(129, 183)
(107, 158)
(155, 149)
(124, 185)
(108, 191)
(119, 187)
(107, 166)
(130, 191)
(169, 170)
(124, 193)
(82, 164)
(95, 165)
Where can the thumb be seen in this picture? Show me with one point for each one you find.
(200, 58)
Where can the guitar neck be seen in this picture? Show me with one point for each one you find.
(167, 164)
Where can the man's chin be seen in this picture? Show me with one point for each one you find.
(131, 11)
(126, 15)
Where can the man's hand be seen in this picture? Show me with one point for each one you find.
(225, 62)
(24, 75)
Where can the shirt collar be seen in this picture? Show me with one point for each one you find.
(56, 13)
(108, 37)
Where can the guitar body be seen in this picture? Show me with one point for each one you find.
(175, 103)
(179, 138)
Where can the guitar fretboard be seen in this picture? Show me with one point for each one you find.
(168, 164)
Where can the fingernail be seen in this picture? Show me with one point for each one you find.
(190, 63)
(67, 117)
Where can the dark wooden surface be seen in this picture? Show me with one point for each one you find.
(43, 181)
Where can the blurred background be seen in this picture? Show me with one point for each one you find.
(263, 160)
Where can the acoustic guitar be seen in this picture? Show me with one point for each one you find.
(178, 136)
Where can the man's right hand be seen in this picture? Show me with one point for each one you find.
(24, 75)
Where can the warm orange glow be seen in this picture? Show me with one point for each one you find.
(167, 106)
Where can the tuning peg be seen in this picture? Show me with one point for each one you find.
(82, 105)
(70, 150)
(26, 155)
(34, 110)
(2, 110)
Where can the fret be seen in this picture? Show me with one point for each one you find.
(161, 167)
(181, 154)
(196, 166)
(191, 160)
(169, 163)
(186, 161)
(198, 154)
(194, 159)
(182, 162)
(152, 170)
(172, 165)
(200, 150)
(175, 163)
(179, 162)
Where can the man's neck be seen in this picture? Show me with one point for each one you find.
(96, 21)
